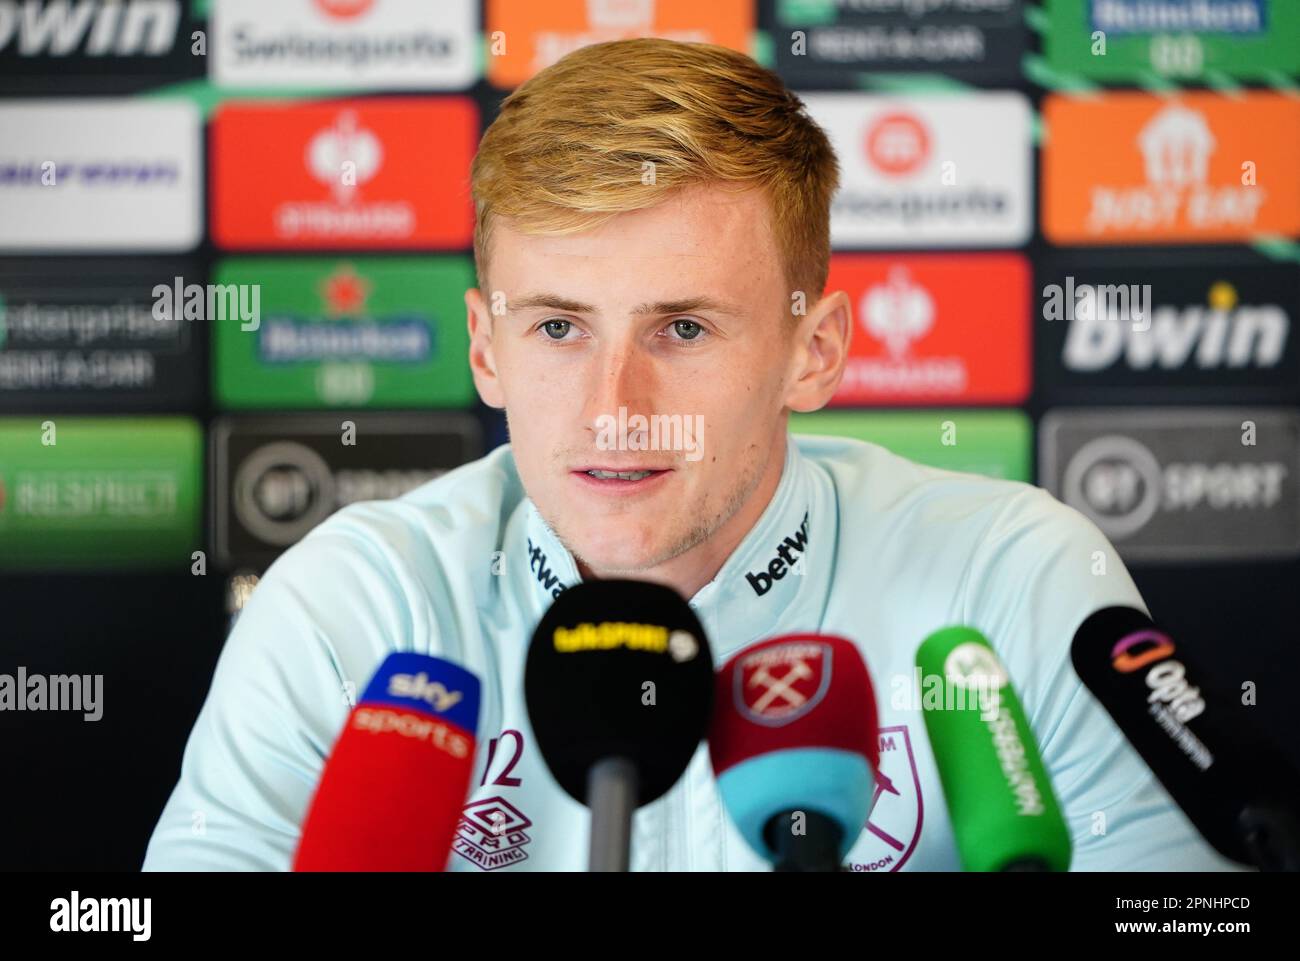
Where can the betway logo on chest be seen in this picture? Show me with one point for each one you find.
(788, 554)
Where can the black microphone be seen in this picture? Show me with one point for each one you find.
(619, 688)
(1240, 794)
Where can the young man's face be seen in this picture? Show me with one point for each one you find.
(669, 329)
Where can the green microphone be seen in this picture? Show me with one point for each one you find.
(1004, 814)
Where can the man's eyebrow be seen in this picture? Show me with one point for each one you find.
(685, 306)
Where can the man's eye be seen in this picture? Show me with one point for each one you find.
(557, 329)
(687, 329)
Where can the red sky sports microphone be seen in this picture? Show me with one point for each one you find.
(795, 747)
(619, 685)
(393, 788)
(1233, 786)
(1004, 813)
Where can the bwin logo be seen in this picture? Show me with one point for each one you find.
(420, 688)
(107, 27)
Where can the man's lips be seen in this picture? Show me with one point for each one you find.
(619, 478)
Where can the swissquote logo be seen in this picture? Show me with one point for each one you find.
(789, 556)
(782, 683)
(356, 44)
(92, 28)
(923, 169)
(897, 808)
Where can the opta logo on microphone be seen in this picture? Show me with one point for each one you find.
(1150, 646)
(1170, 691)
(776, 685)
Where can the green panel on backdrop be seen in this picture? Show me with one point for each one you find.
(100, 493)
(996, 443)
(365, 332)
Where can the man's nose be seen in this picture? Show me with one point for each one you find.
(623, 376)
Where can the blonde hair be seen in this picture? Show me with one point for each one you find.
(568, 147)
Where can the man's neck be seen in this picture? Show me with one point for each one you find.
(688, 572)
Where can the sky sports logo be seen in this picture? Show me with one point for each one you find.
(921, 170)
(1180, 484)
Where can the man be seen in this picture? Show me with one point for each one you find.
(653, 238)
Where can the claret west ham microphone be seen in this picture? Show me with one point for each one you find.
(1241, 795)
(795, 747)
(393, 788)
(619, 685)
(1005, 816)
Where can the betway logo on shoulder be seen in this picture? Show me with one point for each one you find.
(926, 169)
(358, 44)
(91, 28)
(1222, 331)
(915, 342)
(789, 554)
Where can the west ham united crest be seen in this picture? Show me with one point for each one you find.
(897, 809)
(779, 684)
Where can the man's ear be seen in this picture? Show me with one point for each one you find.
(821, 346)
(482, 364)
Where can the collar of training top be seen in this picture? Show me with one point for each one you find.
(775, 581)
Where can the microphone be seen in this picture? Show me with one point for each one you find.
(1238, 793)
(795, 744)
(392, 790)
(1005, 816)
(619, 685)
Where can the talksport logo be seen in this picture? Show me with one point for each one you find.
(366, 332)
(1138, 168)
(915, 343)
(1217, 331)
(829, 42)
(387, 172)
(1180, 484)
(1179, 39)
(77, 175)
(357, 44)
(923, 170)
(995, 443)
(526, 37)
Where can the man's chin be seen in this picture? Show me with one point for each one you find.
(611, 554)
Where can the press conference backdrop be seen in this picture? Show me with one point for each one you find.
(1068, 230)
